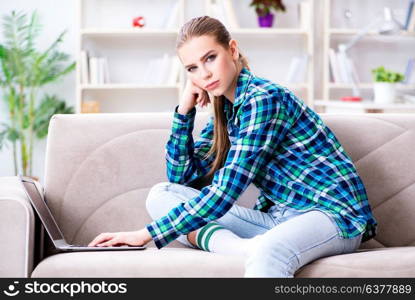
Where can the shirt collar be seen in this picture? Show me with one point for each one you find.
(242, 85)
(244, 78)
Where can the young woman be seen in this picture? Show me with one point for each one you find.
(312, 201)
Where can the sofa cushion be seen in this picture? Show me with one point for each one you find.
(151, 262)
(186, 262)
(378, 262)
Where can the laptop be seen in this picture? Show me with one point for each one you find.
(35, 195)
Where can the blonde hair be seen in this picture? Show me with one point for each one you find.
(197, 27)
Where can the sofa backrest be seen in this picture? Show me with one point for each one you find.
(100, 167)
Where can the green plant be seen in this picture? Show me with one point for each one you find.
(23, 71)
(380, 74)
(263, 7)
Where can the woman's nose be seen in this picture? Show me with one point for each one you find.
(206, 73)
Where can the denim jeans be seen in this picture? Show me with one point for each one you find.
(290, 239)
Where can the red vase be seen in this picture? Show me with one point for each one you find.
(266, 21)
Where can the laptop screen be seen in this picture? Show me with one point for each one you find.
(41, 208)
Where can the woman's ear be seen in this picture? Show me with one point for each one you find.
(233, 46)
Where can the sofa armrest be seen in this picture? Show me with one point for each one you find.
(17, 229)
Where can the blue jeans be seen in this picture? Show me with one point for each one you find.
(290, 239)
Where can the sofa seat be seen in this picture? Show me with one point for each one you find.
(169, 262)
(151, 262)
(377, 262)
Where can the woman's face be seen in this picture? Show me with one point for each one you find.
(207, 62)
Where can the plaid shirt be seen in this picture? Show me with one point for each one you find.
(277, 143)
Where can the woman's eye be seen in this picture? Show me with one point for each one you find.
(211, 57)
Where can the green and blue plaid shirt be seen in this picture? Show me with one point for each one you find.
(277, 143)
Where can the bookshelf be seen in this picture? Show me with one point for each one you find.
(373, 50)
(105, 30)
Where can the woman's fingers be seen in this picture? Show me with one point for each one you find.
(199, 99)
(100, 239)
(203, 99)
(109, 243)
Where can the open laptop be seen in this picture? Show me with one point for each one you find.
(35, 195)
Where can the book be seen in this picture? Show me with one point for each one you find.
(217, 11)
(351, 68)
(304, 13)
(343, 67)
(409, 14)
(172, 18)
(334, 66)
(93, 64)
(163, 69)
(174, 71)
(157, 71)
(230, 14)
(100, 70)
(303, 69)
(84, 67)
(106, 70)
(409, 70)
(148, 73)
(297, 69)
(293, 69)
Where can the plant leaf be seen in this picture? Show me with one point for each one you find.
(49, 106)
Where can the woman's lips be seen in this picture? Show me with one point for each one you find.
(212, 85)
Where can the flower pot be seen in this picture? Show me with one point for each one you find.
(385, 92)
(266, 21)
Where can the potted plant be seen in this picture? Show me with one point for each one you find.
(385, 84)
(263, 10)
(23, 71)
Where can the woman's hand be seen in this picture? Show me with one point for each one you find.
(132, 238)
(193, 95)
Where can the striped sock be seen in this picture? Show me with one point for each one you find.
(216, 238)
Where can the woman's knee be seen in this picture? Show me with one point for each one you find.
(154, 200)
(271, 261)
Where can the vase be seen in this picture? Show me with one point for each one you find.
(266, 20)
(385, 92)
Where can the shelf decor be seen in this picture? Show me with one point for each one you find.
(349, 55)
(385, 84)
(263, 10)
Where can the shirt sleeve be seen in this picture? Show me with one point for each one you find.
(263, 124)
(185, 159)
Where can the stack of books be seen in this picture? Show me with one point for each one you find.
(94, 70)
(298, 69)
(342, 67)
(223, 10)
(164, 70)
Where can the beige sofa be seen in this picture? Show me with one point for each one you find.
(100, 167)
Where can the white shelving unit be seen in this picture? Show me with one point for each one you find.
(371, 51)
(105, 30)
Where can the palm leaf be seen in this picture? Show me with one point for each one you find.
(49, 106)
(8, 134)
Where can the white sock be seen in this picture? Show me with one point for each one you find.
(216, 238)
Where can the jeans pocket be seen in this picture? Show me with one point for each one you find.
(289, 212)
